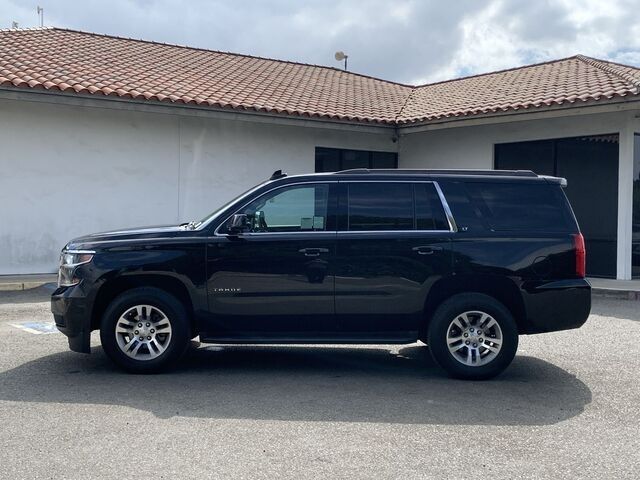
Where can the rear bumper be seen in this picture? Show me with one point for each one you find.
(72, 314)
(558, 305)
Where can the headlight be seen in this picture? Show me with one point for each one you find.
(69, 260)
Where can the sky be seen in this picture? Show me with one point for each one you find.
(407, 41)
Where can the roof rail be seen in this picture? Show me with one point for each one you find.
(461, 171)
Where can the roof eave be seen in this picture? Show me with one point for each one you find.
(167, 107)
(618, 104)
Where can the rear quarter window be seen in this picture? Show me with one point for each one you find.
(520, 206)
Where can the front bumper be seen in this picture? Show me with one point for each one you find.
(72, 314)
(558, 305)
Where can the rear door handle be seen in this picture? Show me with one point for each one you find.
(426, 249)
(313, 252)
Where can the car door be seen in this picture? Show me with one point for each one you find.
(393, 243)
(276, 279)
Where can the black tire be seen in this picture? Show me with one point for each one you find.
(439, 329)
(174, 311)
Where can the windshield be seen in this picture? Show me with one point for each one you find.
(216, 213)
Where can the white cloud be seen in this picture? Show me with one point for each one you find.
(513, 33)
(485, 46)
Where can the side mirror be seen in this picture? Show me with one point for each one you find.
(239, 224)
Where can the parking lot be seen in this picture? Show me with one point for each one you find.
(568, 406)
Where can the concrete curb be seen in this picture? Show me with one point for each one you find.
(19, 283)
(14, 287)
(11, 287)
(617, 294)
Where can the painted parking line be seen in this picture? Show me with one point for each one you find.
(37, 328)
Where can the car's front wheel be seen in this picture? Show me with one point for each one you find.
(473, 336)
(144, 330)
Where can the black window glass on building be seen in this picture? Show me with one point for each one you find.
(635, 245)
(336, 159)
(590, 165)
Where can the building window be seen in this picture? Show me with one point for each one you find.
(336, 159)
(590, 165)
(635, 248)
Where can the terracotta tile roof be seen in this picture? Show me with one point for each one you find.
(574, 80)
(91, 64)
(85, 63)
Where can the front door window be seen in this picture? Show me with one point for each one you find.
(289, 209)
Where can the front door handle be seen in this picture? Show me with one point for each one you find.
(426, 249)
(313, 252)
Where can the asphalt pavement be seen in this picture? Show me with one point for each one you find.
(569, 406)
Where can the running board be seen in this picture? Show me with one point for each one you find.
(410, 337)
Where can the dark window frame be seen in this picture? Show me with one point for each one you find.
(343, 151)
(553, 142)
(635, 208)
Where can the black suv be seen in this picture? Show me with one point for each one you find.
(462, 260)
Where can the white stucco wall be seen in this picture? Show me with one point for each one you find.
(220, 159)
(472, 147)
(71, 170)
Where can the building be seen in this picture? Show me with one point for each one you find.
(100, 132)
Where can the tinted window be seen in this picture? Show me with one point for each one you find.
(291, 209)
(354, 159)
(635, 222)
(384, 160)
(328, 160)
(335, 159)
(520, 206)
(464, 212)
(380, 206)
(429, 212)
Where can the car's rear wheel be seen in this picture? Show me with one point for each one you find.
(473, 336)
(145, 330)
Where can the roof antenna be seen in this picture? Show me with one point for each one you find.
(278, 174)
(40, 11)
(339, 56)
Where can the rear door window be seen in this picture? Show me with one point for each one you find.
(430, 214)
(520, 206)
(380, 206)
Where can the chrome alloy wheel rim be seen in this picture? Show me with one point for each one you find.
(474, 338)
(143, 332)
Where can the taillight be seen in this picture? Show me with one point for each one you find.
(581, 255)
